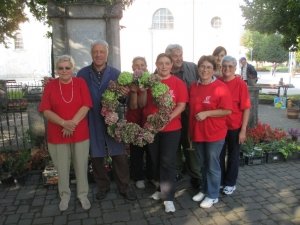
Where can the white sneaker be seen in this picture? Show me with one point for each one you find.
(140, 184)
(198, 197)
(64, 204)
(169, 206)
(156, 195)
(85, 203)
(208, 202)
(228, 190)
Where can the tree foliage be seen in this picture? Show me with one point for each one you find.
(265, 48)
(274, 16)
(12, 13)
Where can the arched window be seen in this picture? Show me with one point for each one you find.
(162, 19)
(216, 22)
(19, 41)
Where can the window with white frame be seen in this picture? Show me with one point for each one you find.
(162, 19)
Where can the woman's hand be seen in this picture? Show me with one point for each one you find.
(69, 125)
(201, 116)
(242, 136)
(66, 132)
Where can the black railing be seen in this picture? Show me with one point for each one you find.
(14, 101)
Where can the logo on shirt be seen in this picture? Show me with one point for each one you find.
(206, 100)
(172, 93)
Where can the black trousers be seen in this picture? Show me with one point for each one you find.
(140, 163)
(230, 167)
(120, 172)
(163, 155)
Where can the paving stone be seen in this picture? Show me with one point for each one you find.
(137, 222)
(46, 220)
(50, 210)
(23, 209)
(78, 216)
(89, 221)
(60, 220)
(12, 218)
(119, 216)
(25, 222)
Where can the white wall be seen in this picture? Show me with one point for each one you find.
(32, 62)
(192, 29)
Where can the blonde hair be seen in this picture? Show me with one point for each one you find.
(65, 58)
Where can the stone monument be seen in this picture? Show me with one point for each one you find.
(76, 25)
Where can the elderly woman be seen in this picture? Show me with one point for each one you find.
(210, 103)
(65, 103)
(236, 122)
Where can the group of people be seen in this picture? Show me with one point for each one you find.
(202, 137)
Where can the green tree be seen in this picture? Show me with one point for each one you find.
(12, 13)
(265, 48)
(274, 16)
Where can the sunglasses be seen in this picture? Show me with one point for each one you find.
(64, 68)
(227, 66)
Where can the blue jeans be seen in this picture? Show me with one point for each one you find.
(209, 155)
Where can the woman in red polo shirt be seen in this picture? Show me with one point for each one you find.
(65, 103)
(163, 149)
(237, 124)
(210, 103)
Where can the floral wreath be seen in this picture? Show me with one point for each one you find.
(128, 132)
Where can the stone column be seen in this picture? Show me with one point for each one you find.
(254, 92)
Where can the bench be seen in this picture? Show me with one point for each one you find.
(277, 87)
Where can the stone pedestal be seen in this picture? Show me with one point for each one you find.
(254, 92)
(76, 25)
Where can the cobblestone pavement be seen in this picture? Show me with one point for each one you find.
(266, 194)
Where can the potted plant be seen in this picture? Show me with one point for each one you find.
(294, 133)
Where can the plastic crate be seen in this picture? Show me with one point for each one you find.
(274, 157)
(255, 160)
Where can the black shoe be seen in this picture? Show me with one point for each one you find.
(195, 183)
(179, 177)
(129, 195)
(101, 194)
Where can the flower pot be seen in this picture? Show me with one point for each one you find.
(273, 157)
(292, 113)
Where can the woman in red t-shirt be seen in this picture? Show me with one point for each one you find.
(134, 114)
(237, 124)
(210, 103)
(65, 103)
(163, 149)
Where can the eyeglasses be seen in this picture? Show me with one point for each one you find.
(202, 67)
(228, 66)
(64, 68)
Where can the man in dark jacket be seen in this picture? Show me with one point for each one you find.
(248, 72)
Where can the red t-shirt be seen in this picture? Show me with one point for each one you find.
(240, 102)
(208, 97)
(52, 100)
(178, 91)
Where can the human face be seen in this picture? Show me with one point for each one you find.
(177, 58)
(64, 71)
(219, 57)
(206, 72)
(139, 65)
(228, 70)
(164, 66)
(99, 56)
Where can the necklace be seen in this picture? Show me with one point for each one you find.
(61, 94)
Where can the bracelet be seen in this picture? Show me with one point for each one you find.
(63, 122)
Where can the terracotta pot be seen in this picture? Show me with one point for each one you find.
(292, 113)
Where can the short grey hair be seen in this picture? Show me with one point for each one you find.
(229, 58)
(65, 58)
(99, 42)
(171, 47)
